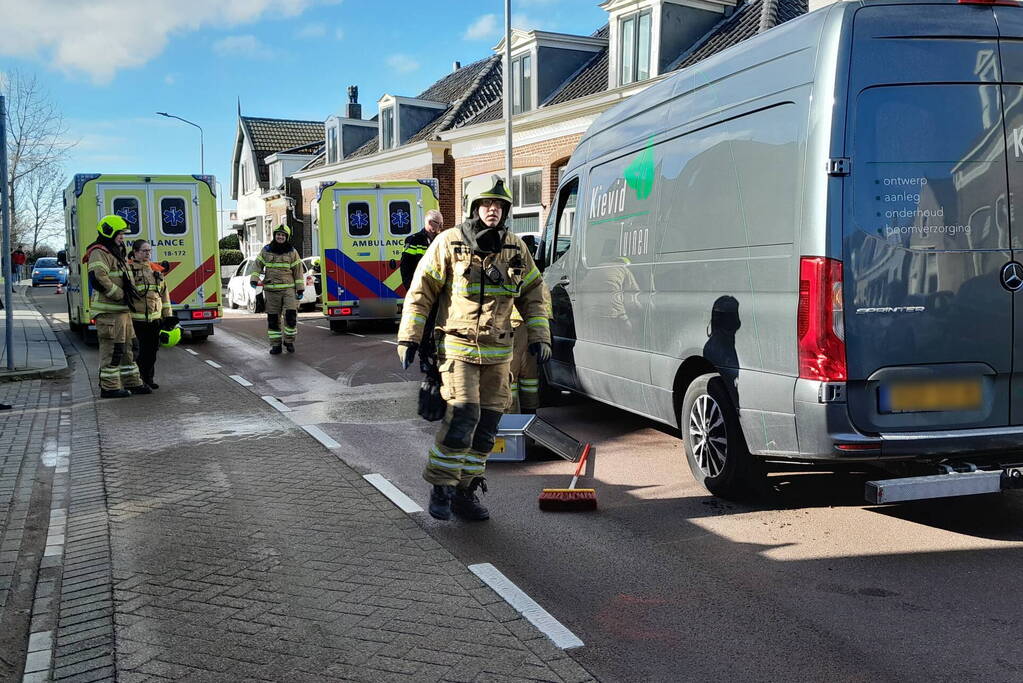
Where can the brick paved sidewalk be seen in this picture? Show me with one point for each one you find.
(241, 549)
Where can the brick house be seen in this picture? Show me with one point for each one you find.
(454, 130)
(266, 152)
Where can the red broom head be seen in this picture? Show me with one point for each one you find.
(568, 500)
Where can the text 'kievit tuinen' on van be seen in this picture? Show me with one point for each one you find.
(805, 248)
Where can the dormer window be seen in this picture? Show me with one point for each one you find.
(634, 40)
(333, 155)
(387, 128)
(522, 83)
(277, 175)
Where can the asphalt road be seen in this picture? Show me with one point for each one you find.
(664, 582)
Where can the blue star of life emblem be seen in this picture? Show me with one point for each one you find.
(173, 216)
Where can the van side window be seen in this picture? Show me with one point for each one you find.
(359, 224)
(565, 221)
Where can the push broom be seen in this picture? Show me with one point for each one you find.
(570, 499)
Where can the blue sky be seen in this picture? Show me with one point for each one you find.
(110, 64)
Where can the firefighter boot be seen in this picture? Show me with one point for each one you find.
(440, 502)
(114, 393)
(140, 389)
(466, 504)
(275, 350)
(290, 347)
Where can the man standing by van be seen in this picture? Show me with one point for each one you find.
(475, 274)
(415, 246)
(281, 267)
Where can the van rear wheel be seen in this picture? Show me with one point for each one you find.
(713, 440)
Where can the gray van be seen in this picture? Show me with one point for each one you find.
(806, 247)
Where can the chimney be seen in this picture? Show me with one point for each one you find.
(353, 110)
(455, 66)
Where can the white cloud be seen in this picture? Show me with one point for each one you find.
(483, 28)
(314, 30)
(530, 23)
(339, 33)
(170, 79)
(100, 37)
(402, 63)
(248, 46)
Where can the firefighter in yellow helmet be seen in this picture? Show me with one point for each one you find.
(113, 293)
(280, 264)
(476, 273)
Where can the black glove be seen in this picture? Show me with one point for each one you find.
(407, 353)
(170, 322)
(431, 405)
(542, 351)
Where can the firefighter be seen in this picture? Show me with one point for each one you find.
(475, 273)
(113, 293)
(415, 246)
(152, 312)
(281, 267)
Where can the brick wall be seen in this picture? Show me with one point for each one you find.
(548, 155)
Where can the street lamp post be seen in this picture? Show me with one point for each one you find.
(202, 164)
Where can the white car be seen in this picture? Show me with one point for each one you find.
(241, 295)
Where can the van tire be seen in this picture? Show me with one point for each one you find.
(339, 326)
(722, 464)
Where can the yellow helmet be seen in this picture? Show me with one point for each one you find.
(283, 228)
(170, 337)
(486, 188)
(110, 225)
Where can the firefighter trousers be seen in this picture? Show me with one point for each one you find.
(147, 343)
(278, 302)
(117, 368)
(477, 396)
(525, 375)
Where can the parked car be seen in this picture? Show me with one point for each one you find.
(48, 271)
(798, 250)
(241, 295)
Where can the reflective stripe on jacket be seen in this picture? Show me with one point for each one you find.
(155, 301)
(105, 270)
(473, 315)
(280, 271)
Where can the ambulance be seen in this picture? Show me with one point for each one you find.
(361, 230)
(177, 214)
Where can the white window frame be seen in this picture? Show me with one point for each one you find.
(634, 76)
(518, 91)
(333, 142)
(389, 112)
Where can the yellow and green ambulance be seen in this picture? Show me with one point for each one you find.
(361, 229)
(177, 214)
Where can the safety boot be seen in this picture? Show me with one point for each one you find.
(466, 504)
(140, 389)
(440, 502)
(114, 393)
(275, 350)
(290, 346)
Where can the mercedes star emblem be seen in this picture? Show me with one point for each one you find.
(1012, 276)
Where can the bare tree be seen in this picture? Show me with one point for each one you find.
(37, 146)
(42, 211)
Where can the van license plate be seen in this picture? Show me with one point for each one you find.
(919, 397)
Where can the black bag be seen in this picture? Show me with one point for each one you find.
(431, 405)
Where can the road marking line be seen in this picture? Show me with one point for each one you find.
(241, 380)
(393, 493)
(321, 327)
(276, 404)
(356, 334)
(526, 606)
(214, 364)
(192, 352)
(321, 436)
(388, 341)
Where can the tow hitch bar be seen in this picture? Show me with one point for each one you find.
(952, 483)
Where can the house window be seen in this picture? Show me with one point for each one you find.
(400, 217)
(359, 222)
(526, 189)
(276, 175)
(387, 128)
(634, 48)
(128, 209)
(332, 145)
(244, 172)
(522, 84)
(173, 215)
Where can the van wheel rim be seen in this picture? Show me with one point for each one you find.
(708, 435)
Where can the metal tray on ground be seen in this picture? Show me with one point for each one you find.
(515, 432)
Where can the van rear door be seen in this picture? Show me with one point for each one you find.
(927, 232)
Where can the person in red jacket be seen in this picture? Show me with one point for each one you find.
(18, 259)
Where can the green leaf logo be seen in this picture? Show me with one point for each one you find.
(641, 173)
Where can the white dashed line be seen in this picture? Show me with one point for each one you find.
(388, 341)
(526, 606)
(241, 380)
(356, 334)
(321, 436)
(213, 364)
(276, 404)
(393, 493)
(192, 352)
(321, 327)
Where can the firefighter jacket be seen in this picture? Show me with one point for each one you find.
(517, 319)
(107, 279)
(279, 270)
(154, 303)
(475, 296)
(415, 246)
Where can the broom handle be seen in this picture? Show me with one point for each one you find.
(579, 467)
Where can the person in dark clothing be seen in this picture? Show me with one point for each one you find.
(415, 246)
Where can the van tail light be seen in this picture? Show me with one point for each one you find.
(204, 315)
(820, 326)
